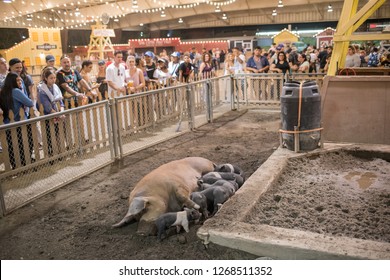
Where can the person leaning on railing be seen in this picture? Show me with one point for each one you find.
(281, 64)
(92, 94)
(12, 98)
(186, 69)
(206, 68)
(101, 79)
(68, 80)
(134, 76)
(50, 96)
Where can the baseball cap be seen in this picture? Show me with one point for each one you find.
(176, 54)
(279, 47)
(101, 62)
(50, 57)
(149, 53)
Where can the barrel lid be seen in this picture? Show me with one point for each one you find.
(293, 83)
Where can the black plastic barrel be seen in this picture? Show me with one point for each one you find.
(310, 114)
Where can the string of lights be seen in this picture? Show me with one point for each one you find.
(78, 14)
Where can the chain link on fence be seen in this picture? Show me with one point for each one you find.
(317, 77)
(44, 153)
(258, 88)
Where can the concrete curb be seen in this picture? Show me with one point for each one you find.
(230, 230)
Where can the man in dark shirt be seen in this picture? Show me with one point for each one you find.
(185, 69)
(68, 79)
(150, 66)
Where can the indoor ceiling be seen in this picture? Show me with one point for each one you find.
(168, 14)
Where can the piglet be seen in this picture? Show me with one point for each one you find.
(212, 177)
(227, 167)
(178, 219)
(200, 199)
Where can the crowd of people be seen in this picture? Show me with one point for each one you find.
(126, 73)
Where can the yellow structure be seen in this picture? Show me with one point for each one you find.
(100, 42)
(33, 50)
(350, 20)
(285, 36)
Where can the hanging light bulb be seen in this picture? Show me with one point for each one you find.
(274, 13)
(330, 9)
(77, 12)
(217, 9)
(135, 4)
(163, 14)
(180, 20)
(224, 16)
(280, 4)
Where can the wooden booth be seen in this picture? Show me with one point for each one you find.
(33, 50)
(285, 37)
(325, 37)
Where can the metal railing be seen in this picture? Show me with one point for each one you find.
(44, 153)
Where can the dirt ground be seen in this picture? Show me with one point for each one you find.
(75, 221)
(337, 194)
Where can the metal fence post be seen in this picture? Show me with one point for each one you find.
(109, 119)
(191, 108)
(209, 101)
(115, 129)
(2, 203)
(234, 97)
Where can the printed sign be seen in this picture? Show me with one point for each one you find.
(46, 47)
(104, 32)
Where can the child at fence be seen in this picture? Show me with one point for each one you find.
(12, 98)
(50, 96)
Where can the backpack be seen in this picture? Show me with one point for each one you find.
(373, 60)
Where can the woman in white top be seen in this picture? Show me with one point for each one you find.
(161, 74)
(135, 79)
(229, 64)
(303, 63)
(352, 59)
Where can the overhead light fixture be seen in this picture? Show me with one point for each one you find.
(7, 1)
(280, 4)
(217, 9)
(116, 19)
(224, 16)
(163, 14)
(274, 13)
(29, 17)
(330, 9)
(180, 20)
(135, 4)
(141, 24)
(77, 12)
